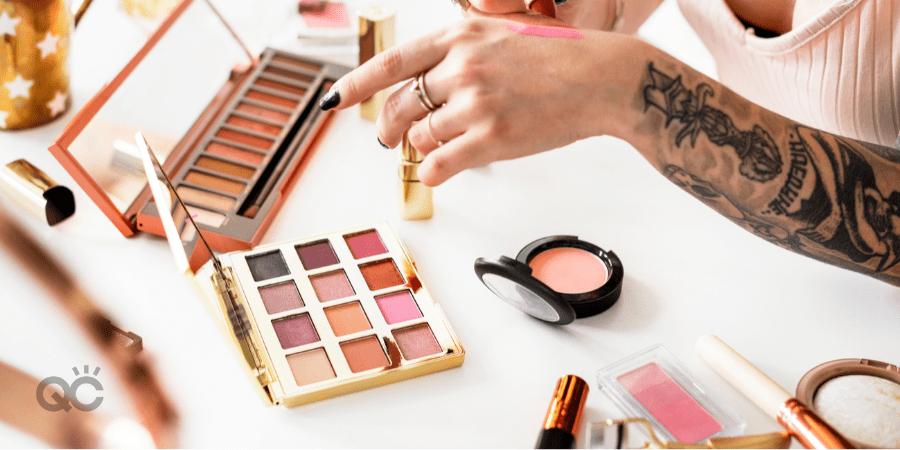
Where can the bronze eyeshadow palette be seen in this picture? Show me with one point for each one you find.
(233, 130)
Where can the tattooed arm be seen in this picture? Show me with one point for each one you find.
(820, 195)
(509, 90)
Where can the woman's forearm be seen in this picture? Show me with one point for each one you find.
(821, 195)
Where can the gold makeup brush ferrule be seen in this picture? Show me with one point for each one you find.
(415, 198)
(565, 410)
(809, 429)
(376, 34)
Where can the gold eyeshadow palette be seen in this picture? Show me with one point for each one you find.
(321, 316)
(233, 129)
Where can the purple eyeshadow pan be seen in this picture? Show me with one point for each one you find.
(295, 331)
(316, 255)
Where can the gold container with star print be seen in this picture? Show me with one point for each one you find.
(34, 75)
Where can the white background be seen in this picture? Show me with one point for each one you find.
(688, 272)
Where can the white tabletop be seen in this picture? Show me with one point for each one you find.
(688, 272)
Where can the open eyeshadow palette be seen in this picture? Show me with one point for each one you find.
(233, 130)
(321, 316)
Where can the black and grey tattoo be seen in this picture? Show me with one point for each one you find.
(760, 158)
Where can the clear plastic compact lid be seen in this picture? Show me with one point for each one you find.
(655, 386)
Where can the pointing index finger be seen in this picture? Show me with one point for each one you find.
(387, 68)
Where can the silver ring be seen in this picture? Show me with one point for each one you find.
(418, 88)
(431, 130)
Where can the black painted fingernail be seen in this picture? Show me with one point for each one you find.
(382, 143)
(330, 100)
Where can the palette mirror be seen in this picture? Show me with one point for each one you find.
(162, 92)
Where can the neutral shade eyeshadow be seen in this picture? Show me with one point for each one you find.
(246, 139)
(288, 74)
(295, 331)
(272, 99)
(381, 274)
(217, 165)
(259, 127)
(204, 217)
(669, 403)
(863, 408)
(215, 201)
(569, 270)
(237, 154)
(365, 244)
(398, 307)
(280, 297)
(267, 265)
(364, 354)
(297, 63)
(271, 84)
(310, 367)
(214, 182)
(331, 285)
(347, 319)
(316, 255)
(266, 113)
(416, 342)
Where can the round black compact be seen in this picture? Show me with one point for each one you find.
(556, 279)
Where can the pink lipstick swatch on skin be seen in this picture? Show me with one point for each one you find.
(668, 402)
(553, 32)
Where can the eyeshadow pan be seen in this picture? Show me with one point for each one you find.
(310, 366)
(242, 138)
(216, 201)
(297, 63)
(668, 402)
(214, 182)
(204, 217)
(365, 244)
(331, 285)
(316, 255)
(280, 297)
(280, 86)
(259, 127)
(288, 74)
(364, 354)
(417, 342)
(381, 274)
(398, 307)
(266, 113)
(347, 319)
(272, 99)
(217, 165)
(267, 265)
(237, 154)
(295, 331)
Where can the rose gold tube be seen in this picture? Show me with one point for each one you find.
(809, 429)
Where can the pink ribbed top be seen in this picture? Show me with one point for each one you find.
(839, 72)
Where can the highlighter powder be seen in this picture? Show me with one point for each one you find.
(863, 408)
(569, 270)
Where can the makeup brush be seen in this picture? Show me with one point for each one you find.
(810, 430)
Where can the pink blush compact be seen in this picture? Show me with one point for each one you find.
(556, 279)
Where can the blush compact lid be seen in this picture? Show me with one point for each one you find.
(556, 279)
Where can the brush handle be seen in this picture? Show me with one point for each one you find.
(744, 376)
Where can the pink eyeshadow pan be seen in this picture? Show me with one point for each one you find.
(669, 403)
(365, 244)
(331, 285)
(398, 307)
(569, 270)
(416, 342)
(295, 331)
(280, 297)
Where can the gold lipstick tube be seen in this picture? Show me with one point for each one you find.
(415, 197)
(376, 34)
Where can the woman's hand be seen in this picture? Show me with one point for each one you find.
(503, 90)
(588, 14)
